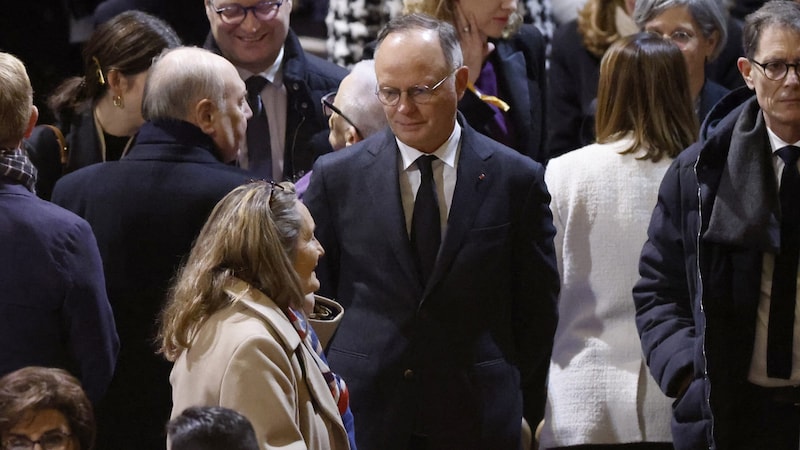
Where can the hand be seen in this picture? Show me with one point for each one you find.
(474, 44)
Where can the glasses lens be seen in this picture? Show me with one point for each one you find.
(53, 441)
(327, 104)
(420, 94)
(232, 14)
(18, 443)
(266, 10)
(775, 70)
(389, 96)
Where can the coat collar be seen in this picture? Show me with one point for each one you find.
(256, 301)
(251, 298)
(745, 208)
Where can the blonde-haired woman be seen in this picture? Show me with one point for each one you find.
(235, 327)
(600, 392)
(506, 60)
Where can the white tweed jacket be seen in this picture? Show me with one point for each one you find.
(599, 389)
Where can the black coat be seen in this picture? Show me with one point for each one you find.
(145, 210)
(519, 63)
(697, 299)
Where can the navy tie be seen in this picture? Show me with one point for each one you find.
(784, 278)
(426, 230)
(259, 149)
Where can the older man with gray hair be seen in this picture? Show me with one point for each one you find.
(354, 112)
(146, 210)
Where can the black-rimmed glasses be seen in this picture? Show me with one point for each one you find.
(234, 14)
(328, 109)
(52, 440)
(776, 70)
(390, 96)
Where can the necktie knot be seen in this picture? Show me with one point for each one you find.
(789, 154)
(255, 85)
(425, 165)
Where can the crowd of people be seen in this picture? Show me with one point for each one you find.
(483, 234)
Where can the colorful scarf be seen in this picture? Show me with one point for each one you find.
(309, 337)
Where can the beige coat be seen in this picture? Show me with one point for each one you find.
(249, 357)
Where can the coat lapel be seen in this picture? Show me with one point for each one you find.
(383, 185)
(262, 305)
(473, 180)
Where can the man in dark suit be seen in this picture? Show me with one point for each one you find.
(288, 129)
(442, 345)
(53, 308)
(146, 210)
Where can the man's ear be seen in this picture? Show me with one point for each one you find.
(746, 69)
(351, 136)
(204, 114)
(32, 121)
(462, 79)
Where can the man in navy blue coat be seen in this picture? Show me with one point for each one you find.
(447, 351)
(146, 210)
(53, 306)
(705, 301)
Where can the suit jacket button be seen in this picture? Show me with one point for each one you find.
(408, 374)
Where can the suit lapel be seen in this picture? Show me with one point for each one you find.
(473, 179)
(383, 186)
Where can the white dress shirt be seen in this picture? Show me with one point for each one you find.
(444, 176)
(274, 99)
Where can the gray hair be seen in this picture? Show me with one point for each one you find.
(179, 79)
(448, 38)
(775, 13)
(708, 14)
(359, 102)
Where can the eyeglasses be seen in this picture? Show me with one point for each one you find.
(776, 70)
(328, 109)
(680, 37)
(234, 14)
(418, 94)
(52, 440)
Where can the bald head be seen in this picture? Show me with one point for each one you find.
(180, 78)
(356, 99)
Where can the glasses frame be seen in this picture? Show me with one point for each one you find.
(327, 104)
(32, 444)
(786, 66)
(246, 9)
(419, 90)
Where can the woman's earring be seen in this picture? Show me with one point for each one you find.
(118, 102)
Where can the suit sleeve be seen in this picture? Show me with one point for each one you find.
(534, 311)
(259, 383)
(88, 320)
(661, 296)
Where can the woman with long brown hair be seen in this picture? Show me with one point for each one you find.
(600, 392)
(235, 328)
